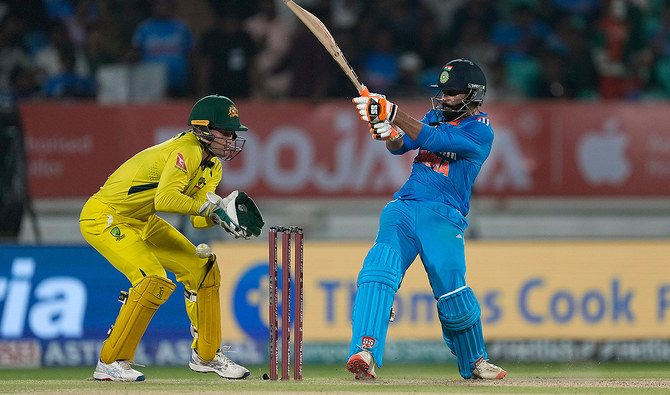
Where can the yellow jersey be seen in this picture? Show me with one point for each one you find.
(169, 177)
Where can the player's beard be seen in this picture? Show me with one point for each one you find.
(454, 112)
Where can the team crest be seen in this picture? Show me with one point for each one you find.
(116, 232)
(444, 75)
(181, 163)
(232, 112)
(201, 183)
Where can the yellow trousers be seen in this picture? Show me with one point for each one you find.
(139, 249)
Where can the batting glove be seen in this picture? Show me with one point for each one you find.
(384, 130)
(375, 108)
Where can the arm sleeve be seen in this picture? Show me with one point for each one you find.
(174, 180)
(458, 140)
(408, 143)
(198, 221)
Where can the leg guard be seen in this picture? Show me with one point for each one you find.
(459, 314)
(207, 325)
(377, 283)
(141, 302)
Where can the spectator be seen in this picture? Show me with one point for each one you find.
(586, 10)
(659, 45)
(84, 16)
(25, 83)
(50, 58)
(569, 41)
(99, 48)
(14, 195)
(68, 83)
(225, 55)
(518, 40)
(166, 40)
(427, 38)
(483, 11)
(614, 46)
(473, 44)
(345, 14)
(409, 83)
(273, 36)
(310, 67)
(403, 19)
(12, 53)
(380, 66)
(521, 36)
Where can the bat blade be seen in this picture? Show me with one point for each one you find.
(320, 31)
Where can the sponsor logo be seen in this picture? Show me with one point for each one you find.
(201, 183)
(438, 162)
(116, 232)
(368, 342)
(47, 308)
(181, 163)
(250, 301)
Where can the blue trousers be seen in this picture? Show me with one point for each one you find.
(407, 228)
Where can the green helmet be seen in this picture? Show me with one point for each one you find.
(216, 112)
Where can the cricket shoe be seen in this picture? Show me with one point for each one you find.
(117, 371)
(487, 371)
(221, 365)
(362, 364)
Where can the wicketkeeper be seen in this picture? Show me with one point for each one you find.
(427, 218)
(120, 221)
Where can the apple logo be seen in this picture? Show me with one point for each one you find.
(601, 155)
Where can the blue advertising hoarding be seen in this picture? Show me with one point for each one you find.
(59, 302)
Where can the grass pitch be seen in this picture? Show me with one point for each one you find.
(582, 378)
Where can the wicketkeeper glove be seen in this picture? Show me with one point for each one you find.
(236, 213)
(375, 108)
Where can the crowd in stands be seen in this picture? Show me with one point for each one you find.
(529, 49)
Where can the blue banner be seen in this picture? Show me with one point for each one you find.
(63, 299)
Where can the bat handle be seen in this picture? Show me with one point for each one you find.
(364, 91)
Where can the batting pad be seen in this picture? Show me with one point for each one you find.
(378, 283)
(208, 325)
(460, 314)
(142, 302)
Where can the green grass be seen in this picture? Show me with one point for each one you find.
(582, 378)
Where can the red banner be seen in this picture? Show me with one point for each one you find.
(299, 149)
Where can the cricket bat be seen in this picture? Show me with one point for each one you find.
(321, 32)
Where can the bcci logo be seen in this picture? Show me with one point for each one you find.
(116, 232)
(444, 75)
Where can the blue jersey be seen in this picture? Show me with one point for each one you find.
(449, 159)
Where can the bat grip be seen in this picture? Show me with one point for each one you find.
(364, 91)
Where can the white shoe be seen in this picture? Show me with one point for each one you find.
(487, 371)
(362, 364)
(221, 365)
(117, 371)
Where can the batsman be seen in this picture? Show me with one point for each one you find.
(427, 218)
(120, 221)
